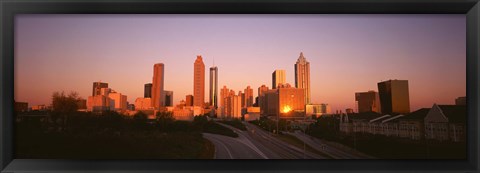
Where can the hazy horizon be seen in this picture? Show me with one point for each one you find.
(347, 53)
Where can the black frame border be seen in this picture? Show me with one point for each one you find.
(9, 8)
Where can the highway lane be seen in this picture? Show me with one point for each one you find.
(285, 150)
(231, 148)
(328, 149)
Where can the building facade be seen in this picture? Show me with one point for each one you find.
(394, 97)
(213, 87)
(248, 92)
(158, 86)
(302, 76)
(168, 98)
(368, 102)
(278, 77)
(97, 86)
(147, 93)
(199, 82)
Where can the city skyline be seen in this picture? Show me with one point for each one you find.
(439, 83)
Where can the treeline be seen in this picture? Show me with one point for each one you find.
(68, 134)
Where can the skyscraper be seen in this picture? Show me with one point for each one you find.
(189, 100)
(261, 96)
(97, 86)
(148, 91)
(302, 76)
(248, 96)
(168, 98)
(394, 96)
(199, 82)
(157, 86)
(368, 102)
(278, 77)
(213, 86)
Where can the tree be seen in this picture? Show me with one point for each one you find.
(64, 105)
(164, 119)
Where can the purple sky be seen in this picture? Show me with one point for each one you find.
(347, 53)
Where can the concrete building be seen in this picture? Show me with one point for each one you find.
(97, 86)
(368, 101)
(261, 96)
(233, 106)
(214, 87)
(147, 93)
(119, 101)
(168, 98)
(143, 104)
(317, 109)
(158, 86)
(270, 103)
(278, 77)
(291, 102)
(224, 92)
(248, 92)
(394, 97)
(189, 100)
(199, 82)
(21, 106)
(285, 102)
(439, 123)
(302, 76)
(461, 101)
(253, 113)
(98, 103)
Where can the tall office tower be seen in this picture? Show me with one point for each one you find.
(199, 82)
(189, 100)
(157, 86)
(97, 86)
(214, 86)
(302, 76)
(368, 102)
(278, 77)
(248, 96)
(394, 96)
(242, 98)
(168, 98)
(261, 96)
(147, 93)
(224, 92)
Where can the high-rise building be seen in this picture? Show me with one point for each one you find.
(158, 85)
(168, 98)
(278, 77)
(242, 98)
(285, 102)
(248, 92)
(368, 102)
(199, 82)
(394, 97)
(261, 96)
(147, 93)
(97, 86)
(224, 92)
(233, 106)
(214, 86)
(302, 76)
(189, 100)
(290, 102)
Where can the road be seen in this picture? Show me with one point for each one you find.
(329, 149)
(256, 143)
(232, 148)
